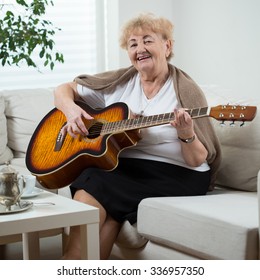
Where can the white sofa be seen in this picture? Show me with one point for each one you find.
(221, 225)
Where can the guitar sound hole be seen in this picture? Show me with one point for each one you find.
(94, 130)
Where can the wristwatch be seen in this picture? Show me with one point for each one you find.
(187, 140)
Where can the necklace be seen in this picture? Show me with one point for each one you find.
(145, 102)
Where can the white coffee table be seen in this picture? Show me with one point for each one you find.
(61, 213)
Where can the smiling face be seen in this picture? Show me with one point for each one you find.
(148, 51)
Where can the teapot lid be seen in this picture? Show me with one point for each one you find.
(8, 169)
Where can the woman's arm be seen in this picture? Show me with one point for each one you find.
(193, 150)
(64, 96)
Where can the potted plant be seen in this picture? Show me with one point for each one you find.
(26, 34)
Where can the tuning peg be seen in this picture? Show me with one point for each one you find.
(232, 124)
(222, 124)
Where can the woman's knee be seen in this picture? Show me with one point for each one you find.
(82, 196)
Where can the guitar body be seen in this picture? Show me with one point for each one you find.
(57, 161)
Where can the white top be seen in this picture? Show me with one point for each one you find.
(159, 143)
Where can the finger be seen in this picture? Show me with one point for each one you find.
(181, 120)
(175, 121)
(63, 131)
(187, 118)
(82, 128)
(176, 115)
(71, 132)
(86, 115)
(78, 126)
(73, 129)
(80, 122)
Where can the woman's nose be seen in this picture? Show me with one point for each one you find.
(140, 48)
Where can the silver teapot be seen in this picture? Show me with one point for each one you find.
(11, 187)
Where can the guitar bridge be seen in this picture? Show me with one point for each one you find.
(59, 140)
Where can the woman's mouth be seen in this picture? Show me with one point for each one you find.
(143, 57)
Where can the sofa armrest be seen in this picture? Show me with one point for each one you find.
(258, 195)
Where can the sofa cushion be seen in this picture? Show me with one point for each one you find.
(24, 110)
(5, 153)
(208, 227)
(240, 145)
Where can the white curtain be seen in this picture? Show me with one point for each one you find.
(78, 40)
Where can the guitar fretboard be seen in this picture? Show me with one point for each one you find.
(149, 121)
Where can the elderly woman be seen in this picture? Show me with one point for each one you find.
(175, 159)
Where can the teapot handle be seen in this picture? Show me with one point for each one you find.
(21, 183)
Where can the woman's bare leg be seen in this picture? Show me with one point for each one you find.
(73, 250)
(108, 235)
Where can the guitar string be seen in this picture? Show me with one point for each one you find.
(193, 112)
(140, 115)
(141, 121)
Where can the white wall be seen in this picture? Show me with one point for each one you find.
(217, 42)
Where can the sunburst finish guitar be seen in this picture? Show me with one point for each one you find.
(58, 159)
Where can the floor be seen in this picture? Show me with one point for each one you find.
(51, 249)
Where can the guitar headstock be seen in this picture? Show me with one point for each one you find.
(233, 113)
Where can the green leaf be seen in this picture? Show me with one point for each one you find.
(27, 34)
(9, 14)
(22, 2)
(50, 44)
(41, 54)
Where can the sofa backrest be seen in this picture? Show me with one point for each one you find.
(240, 144)
(5, 152)
(23, 111)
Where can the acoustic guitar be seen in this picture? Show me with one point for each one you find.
(57, 160)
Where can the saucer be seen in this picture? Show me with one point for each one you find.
(19, 207)
(34, 193)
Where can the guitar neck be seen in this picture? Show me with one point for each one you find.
(149, 121)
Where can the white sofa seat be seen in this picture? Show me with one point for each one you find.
(207, 227)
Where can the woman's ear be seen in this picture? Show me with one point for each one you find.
(168, 45)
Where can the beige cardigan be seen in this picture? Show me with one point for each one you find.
(188, 94)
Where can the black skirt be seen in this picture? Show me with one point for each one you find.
(121, 190)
